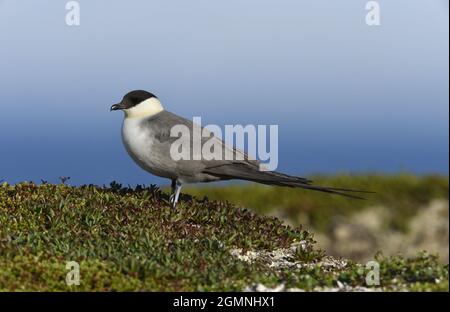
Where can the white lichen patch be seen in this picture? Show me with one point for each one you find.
(341, 287)
(284, 258)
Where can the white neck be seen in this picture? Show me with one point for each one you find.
(146, 108)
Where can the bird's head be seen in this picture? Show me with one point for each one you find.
(138, 103)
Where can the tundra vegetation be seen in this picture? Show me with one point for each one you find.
(130, 239)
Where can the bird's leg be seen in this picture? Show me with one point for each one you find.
(176, 194)
(173, 187)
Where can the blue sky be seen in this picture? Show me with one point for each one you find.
(346, 96)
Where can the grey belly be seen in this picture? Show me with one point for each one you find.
(184, 171)
(154, 157)
(149, 158)
(155, 168)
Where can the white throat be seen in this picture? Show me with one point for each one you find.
(146, 108)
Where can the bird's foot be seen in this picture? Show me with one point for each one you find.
(172, 201)
(176, 188)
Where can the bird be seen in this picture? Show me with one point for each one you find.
(147, 138)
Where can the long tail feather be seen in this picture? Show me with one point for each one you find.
(244, 171)
(325, 189)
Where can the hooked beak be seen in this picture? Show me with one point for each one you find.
(118, 106)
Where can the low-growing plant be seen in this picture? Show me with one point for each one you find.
(130, 239)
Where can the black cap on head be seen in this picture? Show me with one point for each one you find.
(133, 98)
